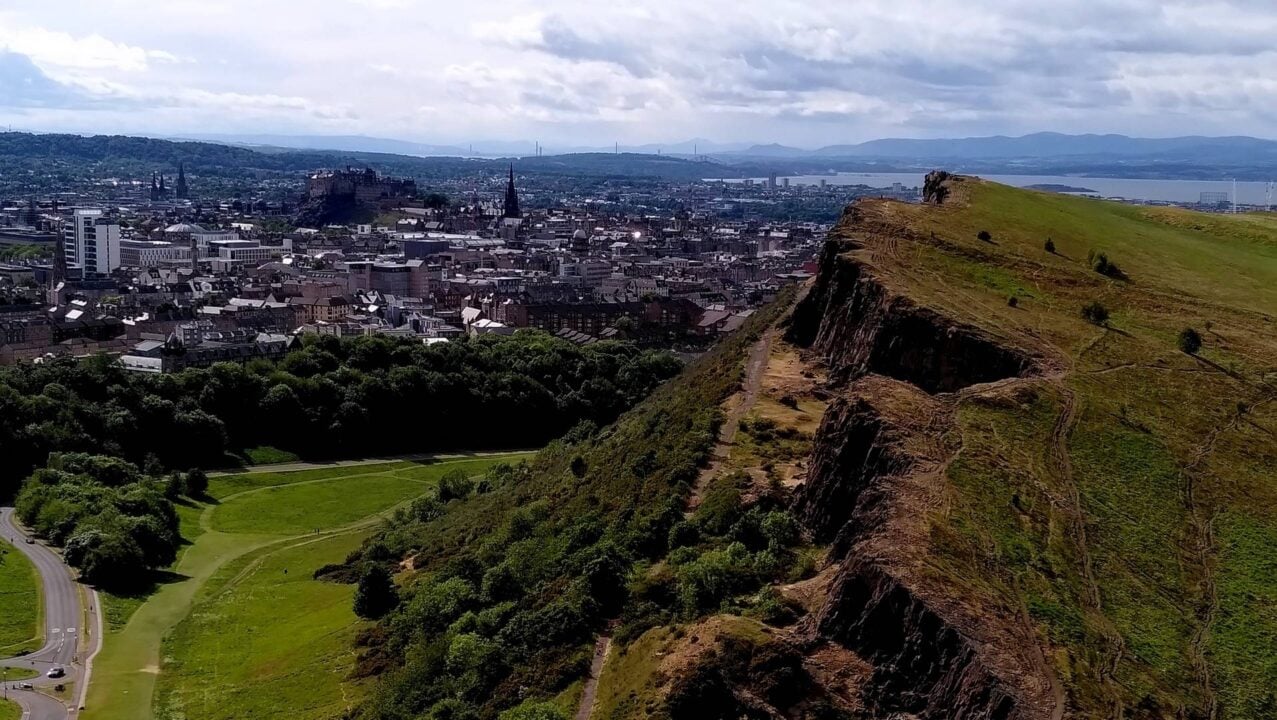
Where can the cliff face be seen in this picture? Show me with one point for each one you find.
(877, 466)
(860, 327)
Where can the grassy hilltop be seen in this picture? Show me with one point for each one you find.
(1128, 499)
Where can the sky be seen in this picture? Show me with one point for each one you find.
(579, 72)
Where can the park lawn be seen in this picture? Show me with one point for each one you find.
(21, 612)
(221, 487)
(125, 673)
(306, 507)
(267, 455)
(265, 639)
(9, 710)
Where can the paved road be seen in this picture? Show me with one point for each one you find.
(63, 618)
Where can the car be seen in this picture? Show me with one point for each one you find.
(27, 686)
(31, 541)
(56, 672)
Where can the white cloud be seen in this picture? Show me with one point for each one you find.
(786, 70)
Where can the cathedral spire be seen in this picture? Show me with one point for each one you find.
(511, 198)
(182, 190)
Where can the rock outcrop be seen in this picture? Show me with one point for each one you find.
(877, 467)
(860, 327)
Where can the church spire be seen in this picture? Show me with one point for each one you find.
(181, 189)
(511, 198)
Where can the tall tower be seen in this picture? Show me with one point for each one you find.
(155, 186)
(182, 190)
(511, 198)
(163, 191)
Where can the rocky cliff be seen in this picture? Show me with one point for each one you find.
(877, 467)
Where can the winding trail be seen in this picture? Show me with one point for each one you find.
(739, 404)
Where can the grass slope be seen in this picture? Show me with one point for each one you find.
(265, 640)
(126, 670)
(1128, 500)
(21, 612)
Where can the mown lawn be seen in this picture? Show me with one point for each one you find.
(21, 616)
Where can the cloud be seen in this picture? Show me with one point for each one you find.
(770, 70)
(23, 85)
(89, 52)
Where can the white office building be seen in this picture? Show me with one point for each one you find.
(92, 241)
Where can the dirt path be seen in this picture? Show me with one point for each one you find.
(738, 405)
(602, 646)
(1062, 467)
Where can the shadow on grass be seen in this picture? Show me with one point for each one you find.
(144, 587)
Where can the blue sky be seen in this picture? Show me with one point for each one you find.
(799, 73)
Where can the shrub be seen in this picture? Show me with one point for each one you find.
(1095, 313)
(1013, 301)
(455, 485)
(1101, 264)
(1190, 341)
(1049, 246)
(984, 236)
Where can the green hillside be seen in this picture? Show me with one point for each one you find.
(1091, 535)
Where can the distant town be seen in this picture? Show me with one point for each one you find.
(159, 274)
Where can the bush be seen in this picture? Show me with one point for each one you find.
(1013, 301)
(1095, 313)
(1101, 264)
(1049, 246)
(1190, 341)
(455, 485)
(984, 236)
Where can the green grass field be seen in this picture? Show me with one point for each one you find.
(21, 613)
(9, 710)
(265, 640)
(257, 522)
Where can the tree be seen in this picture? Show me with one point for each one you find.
(1049, 246)
(1095, 313)
(984, 236)
(196, 482)
(376, 594)
(1190, 341)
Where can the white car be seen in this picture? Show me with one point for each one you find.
(56, 672)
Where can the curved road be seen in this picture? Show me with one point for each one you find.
(63, 628)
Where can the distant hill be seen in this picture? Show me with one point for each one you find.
(111, 155)
(347, 143)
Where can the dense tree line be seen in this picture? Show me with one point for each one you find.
(114, 522)
(334, 397)
(516, 575)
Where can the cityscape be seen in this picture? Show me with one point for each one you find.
(398, 360)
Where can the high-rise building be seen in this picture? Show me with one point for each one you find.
(92, 241)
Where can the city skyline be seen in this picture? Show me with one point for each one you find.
(570, 74)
